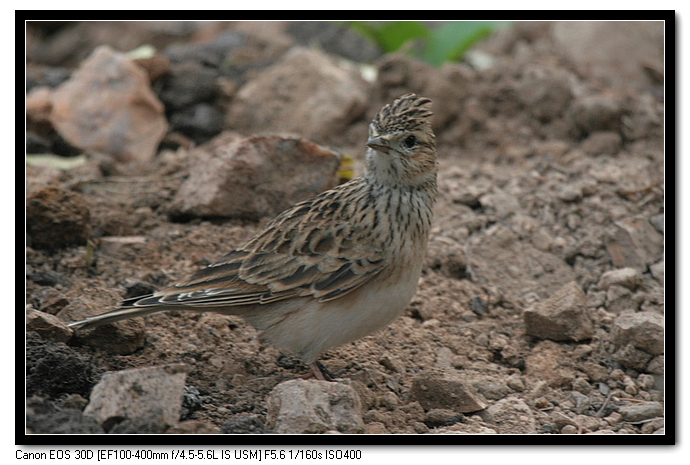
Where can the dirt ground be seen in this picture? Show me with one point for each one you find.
(551, 171)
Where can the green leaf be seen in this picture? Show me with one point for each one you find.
(391, 35)
(450, 41)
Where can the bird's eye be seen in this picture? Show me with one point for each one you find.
(410, 141)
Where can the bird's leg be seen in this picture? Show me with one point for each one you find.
(319, 372)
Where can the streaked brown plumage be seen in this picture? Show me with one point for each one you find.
(333, 268)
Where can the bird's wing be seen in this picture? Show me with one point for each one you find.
(322, 247)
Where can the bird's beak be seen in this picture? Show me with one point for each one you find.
(379, 144)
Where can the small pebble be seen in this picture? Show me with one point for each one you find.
(569, 429)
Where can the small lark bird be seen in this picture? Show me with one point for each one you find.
(333, 268)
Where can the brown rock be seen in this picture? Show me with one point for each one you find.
(602, 143)
(47, 326)
(193, 427)
(596, 113)
(548, 361)
(122, 337)
(108, 106)
(635, 243)
(57, 218)
(255, 177)
(562, 317)
(304, 93)
(445, 390)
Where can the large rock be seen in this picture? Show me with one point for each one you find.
(305, 93)
(108, 106)
(253, 177)
(140, 393)
(307, 407)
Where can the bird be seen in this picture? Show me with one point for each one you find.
(331, 269)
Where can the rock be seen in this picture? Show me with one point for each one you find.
(246, 424)
(138, 393)
(122, 337)
(322, 101)
(658, 222)
(445, 390)
(512, 416)
(620, 299)
(628, 277)
(57, 218)
(596, 113)
(389, 401)
(53, 369)
(602, 143)
(307, 407)
(634, 243)
(656, 365)
(52, 301)
(644, 330)
(492, 390)
(254, 177)
(631, 357)
(188, 84)
(47, 326)
(67, 421)
(549, 361)
(641, 411)
(657, 271)
(193, 427)
(115, 244)
(442, 417)
(39, 105)
(134, 122)
(562, 317)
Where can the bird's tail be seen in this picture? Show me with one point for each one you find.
(130, 308)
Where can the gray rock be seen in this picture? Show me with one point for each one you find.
(627, 277)
(631, 357)
(512, 416)
(657, 271)
(562, 317)
(644, 330)
(307, 407)
(151, 392)
(641, 411)
(322, 102)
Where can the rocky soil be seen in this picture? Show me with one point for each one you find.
(541, 304)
